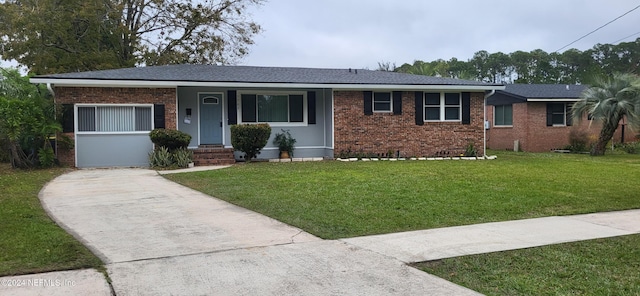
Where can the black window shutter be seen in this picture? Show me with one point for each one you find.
(249, 107)
(466, 108)
(158, 116)
(419, 99)
(232, 110)
(67, 118)
(549, 115)
(296, 108)
(397, 102)
(368, 102)
(569, 118)
(311, 107)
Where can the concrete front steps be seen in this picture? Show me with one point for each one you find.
(213, 155)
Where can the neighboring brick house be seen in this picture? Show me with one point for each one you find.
(109, 113)
(538, 117)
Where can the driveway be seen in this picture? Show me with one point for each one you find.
(134, 214)
(158, 237)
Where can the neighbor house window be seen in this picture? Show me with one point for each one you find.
(114, 118)
(442, 106)
(559, 113)
(272, 108)
(503, 115)
(382, 102)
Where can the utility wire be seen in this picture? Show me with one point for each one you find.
(615, 19)
(614, 42)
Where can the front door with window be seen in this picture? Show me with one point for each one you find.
(210, 118)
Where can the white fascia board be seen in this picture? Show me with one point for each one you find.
(104, 83)
(172, 84)
(555, 100)
(411, 87)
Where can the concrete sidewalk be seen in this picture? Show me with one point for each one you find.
(160, 238)
(433, 244)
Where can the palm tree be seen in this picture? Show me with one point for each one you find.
(608, 101)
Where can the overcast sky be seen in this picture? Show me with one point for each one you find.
(361, 33)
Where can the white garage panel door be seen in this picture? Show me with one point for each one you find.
(113, 135)
(113, 150)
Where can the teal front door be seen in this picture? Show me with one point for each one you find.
(210, 118)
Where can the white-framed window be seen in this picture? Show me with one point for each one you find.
(275, 108)
(503, 115)
(211, 99)
(442, 106)
(559, 113)
(114, 118)
(382, 102)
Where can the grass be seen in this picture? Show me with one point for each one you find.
(598, 267)
(336, 199)
(30, 242)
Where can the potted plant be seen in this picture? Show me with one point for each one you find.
(285, 143)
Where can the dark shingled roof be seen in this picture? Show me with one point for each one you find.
(545, 91)
(249, 74)
(518, 93)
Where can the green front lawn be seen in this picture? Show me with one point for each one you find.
(346, 199)
(29, 241)
(598, 267)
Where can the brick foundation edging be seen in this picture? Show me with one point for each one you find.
(412, 159)
(297, 159)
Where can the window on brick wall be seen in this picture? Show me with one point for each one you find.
(382, 102)
(503, 115)
(115, 118)
(278, 108)
(442, 106)
(558, 114)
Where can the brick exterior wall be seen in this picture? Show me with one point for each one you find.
(382, 132)
(94, 95)
(530, 128)
(501, 138)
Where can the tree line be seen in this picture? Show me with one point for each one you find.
(537, 66)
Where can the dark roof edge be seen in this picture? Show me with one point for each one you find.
(91, 82)
(510, 94)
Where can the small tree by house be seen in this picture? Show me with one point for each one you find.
(250, 138)
(607, 101)
(27, 120)
(171, 139)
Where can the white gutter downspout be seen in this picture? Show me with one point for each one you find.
(55, 114)
(50, 88)
(484, 124)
